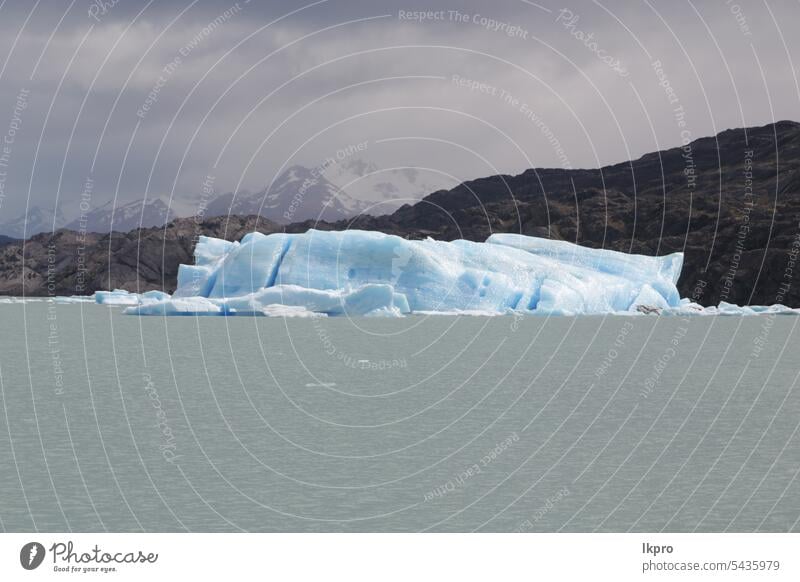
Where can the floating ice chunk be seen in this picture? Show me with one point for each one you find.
(364, 300)
(725, 308)
(116, 297)
(122, 297)
(384, 312)
(359, 301)
(75, 299)
(177, 306)
(776, 309)
(687, 308)
(289, 311)
(24, 299)
(465, 313)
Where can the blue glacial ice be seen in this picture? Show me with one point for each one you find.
(369, 273)
(359, 273)
(117, 297)
(122, 297)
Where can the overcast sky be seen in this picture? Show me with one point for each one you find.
(151, 98)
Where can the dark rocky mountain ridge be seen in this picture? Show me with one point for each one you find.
(730, 202)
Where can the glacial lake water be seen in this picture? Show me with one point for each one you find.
(120, 423)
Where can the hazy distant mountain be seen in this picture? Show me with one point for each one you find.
(334, 192)
(298, 194)
(338, 191)
(382, 191)
(36, 220)
(124, 217)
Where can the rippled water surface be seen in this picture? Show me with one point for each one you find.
(113, 422)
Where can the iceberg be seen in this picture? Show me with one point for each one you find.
(75, 299)
(360, 273)
(371, 274)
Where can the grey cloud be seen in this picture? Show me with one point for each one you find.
(548, 89)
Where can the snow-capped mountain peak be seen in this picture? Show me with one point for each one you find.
(381, 190)
(123, 217)
(37, 219)
(297, 194)
(332, 191)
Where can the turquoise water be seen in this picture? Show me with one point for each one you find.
(119, 423)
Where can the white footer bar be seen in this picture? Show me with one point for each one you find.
(400, 557)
